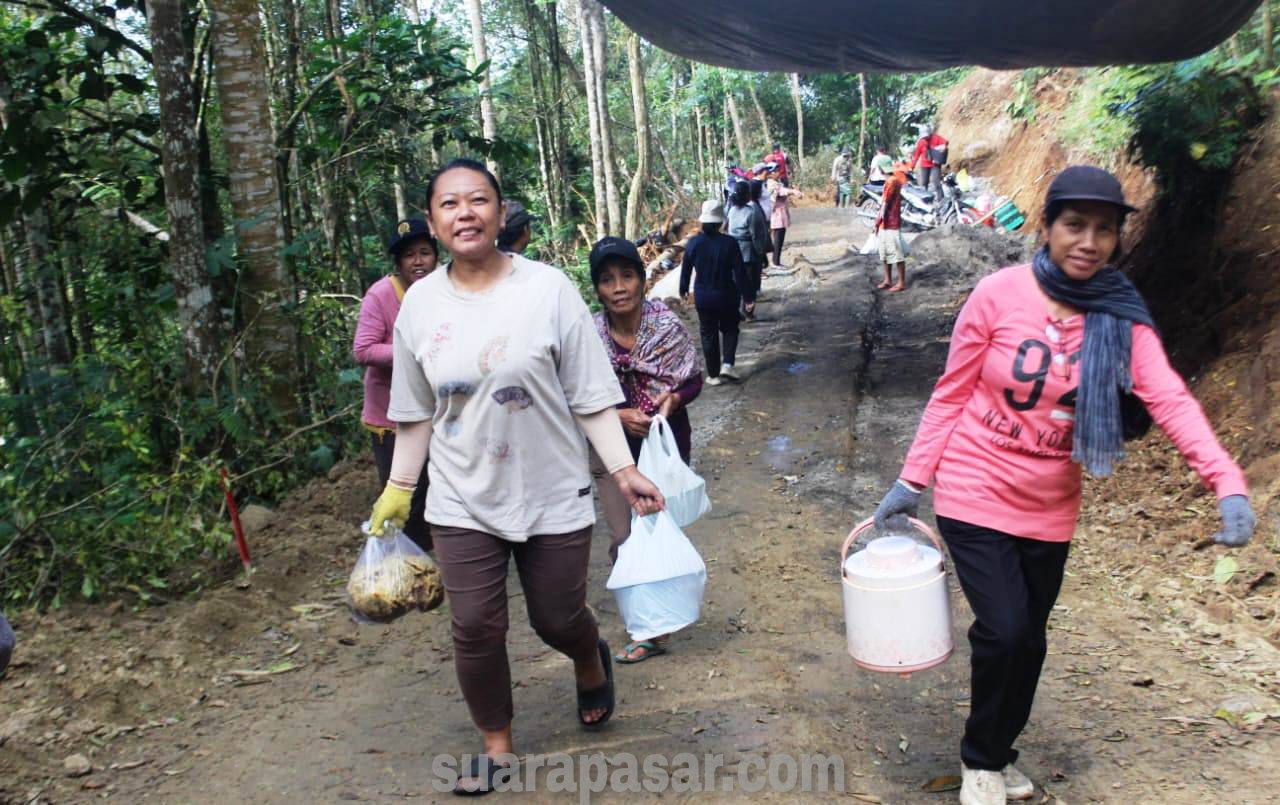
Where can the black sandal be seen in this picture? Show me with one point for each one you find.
(487, 772)
(601, 697)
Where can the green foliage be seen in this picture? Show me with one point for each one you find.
(1090, 126)
(1023, 105)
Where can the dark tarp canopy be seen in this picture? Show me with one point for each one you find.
(846, 36)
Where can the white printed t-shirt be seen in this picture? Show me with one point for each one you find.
(500, 374)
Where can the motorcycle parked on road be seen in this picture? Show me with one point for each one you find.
(920, 209)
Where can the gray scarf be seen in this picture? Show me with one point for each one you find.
(1112, 306)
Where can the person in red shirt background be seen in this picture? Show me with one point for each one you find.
(930, 155)
(783, 163)
(888, 226)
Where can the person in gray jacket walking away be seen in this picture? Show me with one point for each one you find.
(745, 225)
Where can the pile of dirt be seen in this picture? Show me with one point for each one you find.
(91, 678)
(1022, 156)
(963, 254)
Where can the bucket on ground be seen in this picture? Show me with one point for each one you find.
(897, 611)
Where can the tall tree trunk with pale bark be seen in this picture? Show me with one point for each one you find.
(271, 338)
(743, 154)
(795, 96)
(862, 119)
(600, 52)
(640, 106)
(764, 119)
(593, 120)
(180, 150)
(488, 120)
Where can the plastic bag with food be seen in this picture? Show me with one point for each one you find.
(391, 577)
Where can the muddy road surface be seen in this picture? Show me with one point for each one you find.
(834, 379)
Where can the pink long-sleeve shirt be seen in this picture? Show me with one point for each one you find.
(372, 348)
(996, 435)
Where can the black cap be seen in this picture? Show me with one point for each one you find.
(1087, 183)
(517, 219)
(408, 230)
(613, 247)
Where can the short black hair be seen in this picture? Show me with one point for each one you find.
(464, 163)
(711, 229)
(757, 187)
(741, 194)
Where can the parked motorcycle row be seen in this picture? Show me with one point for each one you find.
(920, 209)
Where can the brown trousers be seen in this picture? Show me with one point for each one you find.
(553, 573)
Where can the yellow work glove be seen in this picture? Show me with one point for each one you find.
(391, 507)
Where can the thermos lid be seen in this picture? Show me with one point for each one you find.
(897, 560)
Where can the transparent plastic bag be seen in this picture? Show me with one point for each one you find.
(658, 579)
(685, 491)
(392, 577)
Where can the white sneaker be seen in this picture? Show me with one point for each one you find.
(981, 787)
(726, 371)
(1016, 784)
(714, 381)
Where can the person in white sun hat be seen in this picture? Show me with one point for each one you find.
(713, 262)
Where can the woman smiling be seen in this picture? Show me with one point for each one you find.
(498, 375)
(1043, 358)
(656, 362)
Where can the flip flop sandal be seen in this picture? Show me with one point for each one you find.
(652, 648)
(487, 772)
(600, 698)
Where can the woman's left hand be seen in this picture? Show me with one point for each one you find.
(668, 402)
(1238, 521)
(639, 491)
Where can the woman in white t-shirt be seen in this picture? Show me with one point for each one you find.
(499, 372)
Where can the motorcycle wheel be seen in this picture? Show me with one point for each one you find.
(869, 205)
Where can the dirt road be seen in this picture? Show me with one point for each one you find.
(834, 380)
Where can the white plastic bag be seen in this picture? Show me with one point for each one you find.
(391, 577)
(658, 578)
(660, 462)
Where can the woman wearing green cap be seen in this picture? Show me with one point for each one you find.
(1051, 367)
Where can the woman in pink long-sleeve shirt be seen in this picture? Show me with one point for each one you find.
(1015, 410)
(415, 254)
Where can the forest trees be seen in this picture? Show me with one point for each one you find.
(193, 199)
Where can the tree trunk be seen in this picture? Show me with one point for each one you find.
(699, 145)
(862, 120)
(640, 107)
(270, 338)
(180, 149)
(42, 273)
(593, 118)
(764, 120)
(402, 199)
(600, 51)
(795, 96)
(488, 122)
(543, 118)
(737, 128)
(1268, 36)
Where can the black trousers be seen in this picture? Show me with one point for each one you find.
(1011, 584)
(415, 528)
(714, 323)
(779, 237)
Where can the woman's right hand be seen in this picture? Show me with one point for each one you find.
(392, 507)
(635, 422)
(898, 504)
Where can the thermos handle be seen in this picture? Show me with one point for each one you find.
(870, 522)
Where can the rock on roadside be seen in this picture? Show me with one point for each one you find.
(77, 765)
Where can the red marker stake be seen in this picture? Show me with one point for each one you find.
(241, 544)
